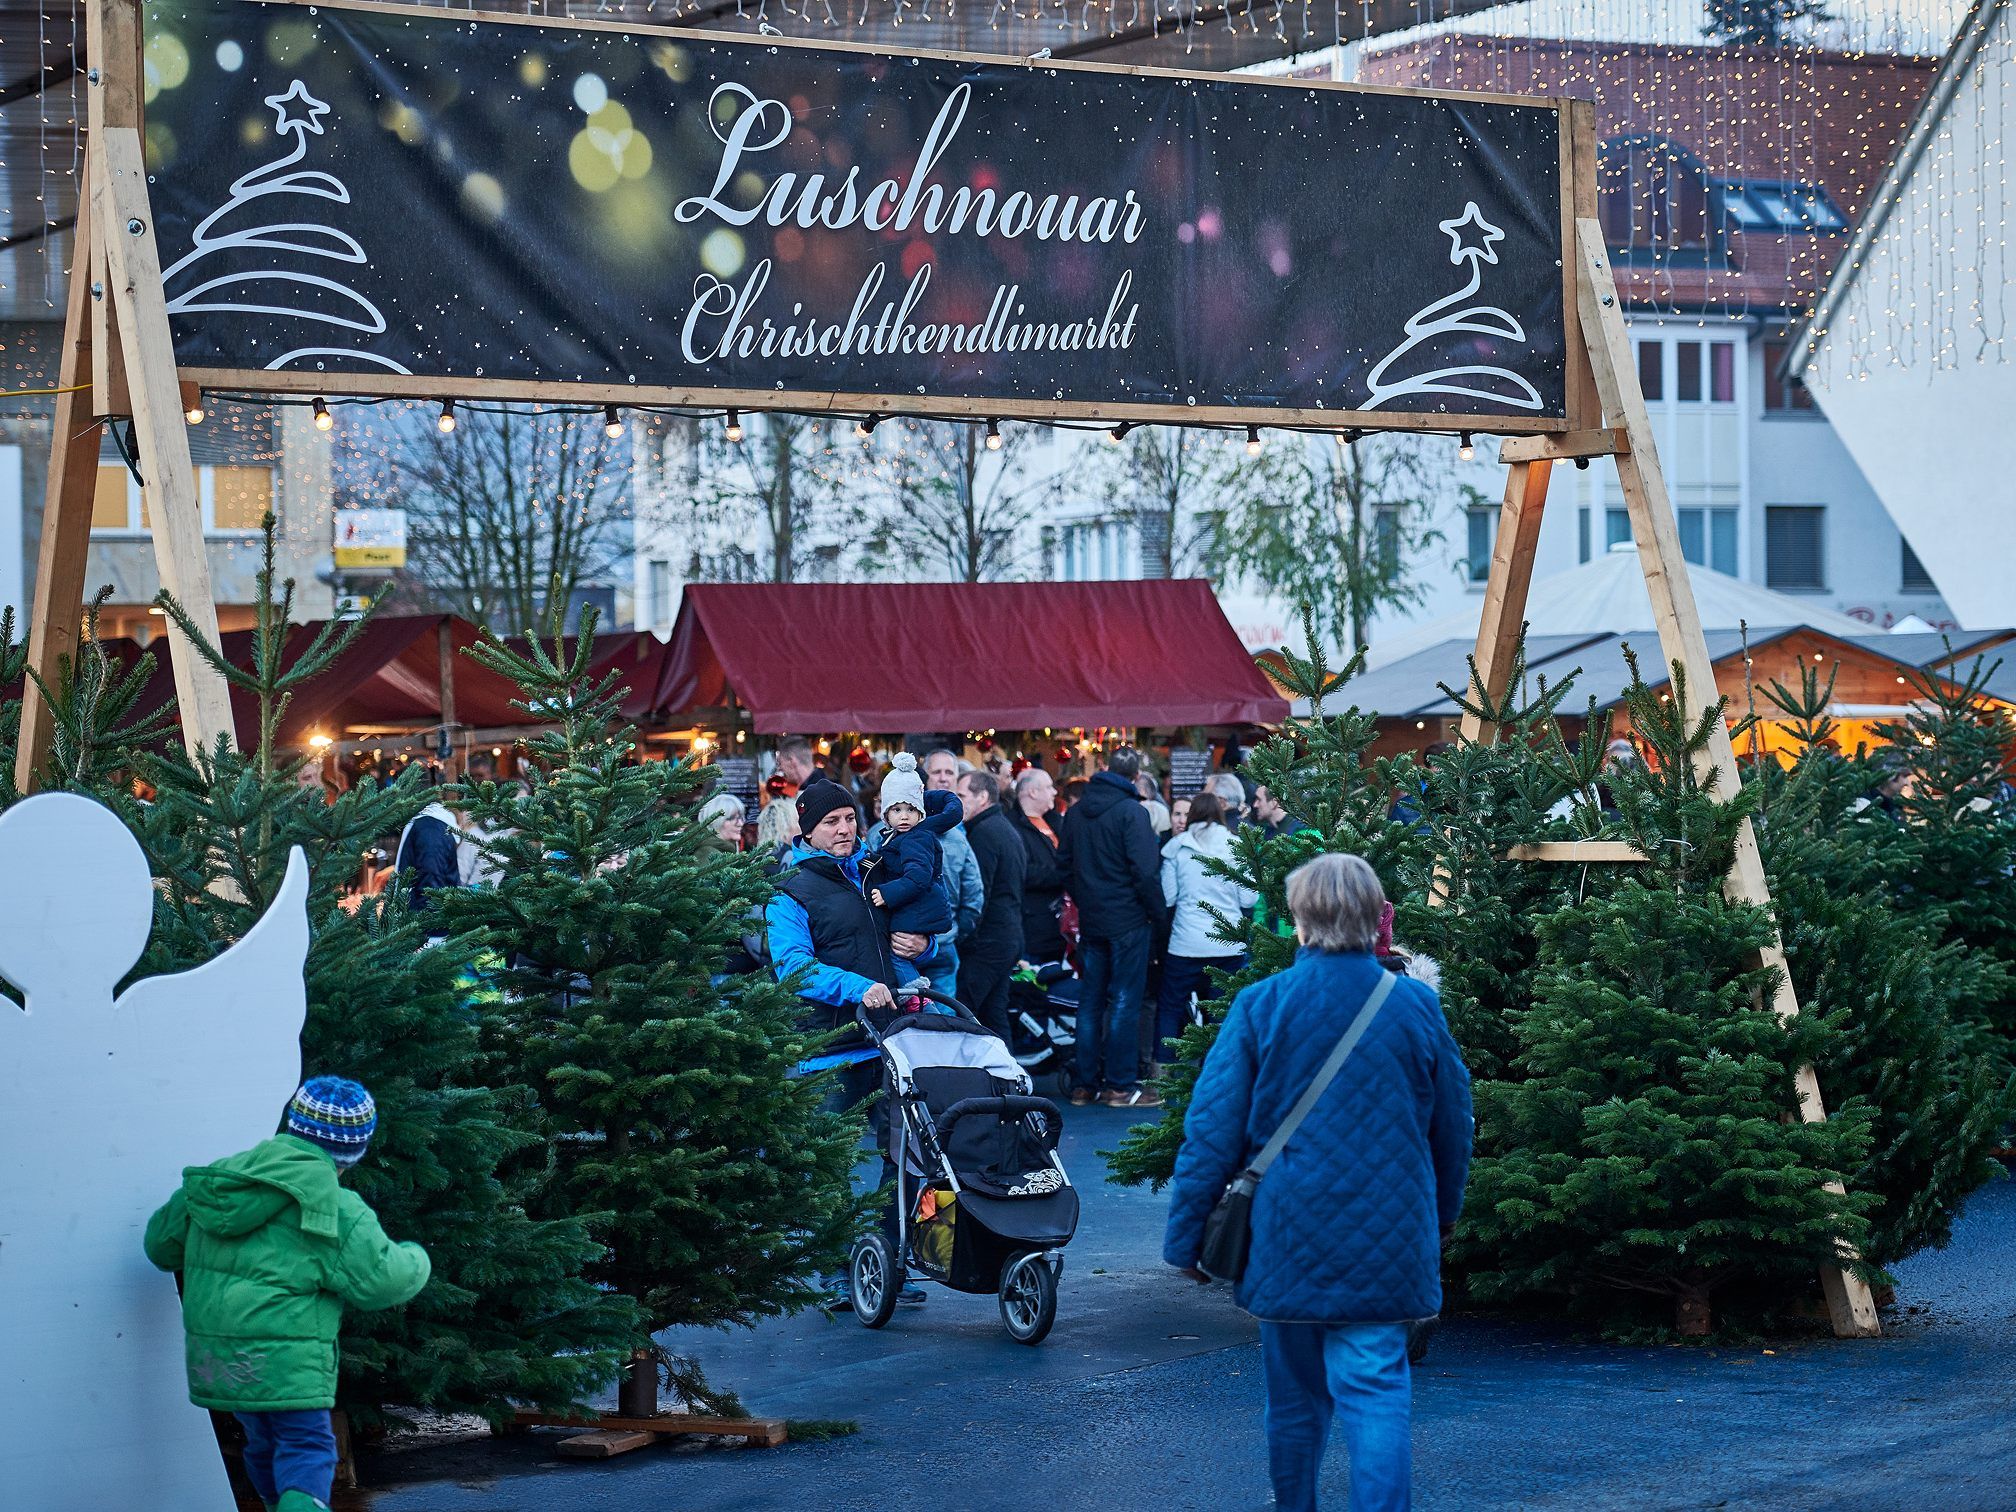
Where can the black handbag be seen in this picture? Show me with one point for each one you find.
(1228, 1232)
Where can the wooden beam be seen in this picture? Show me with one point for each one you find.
(121, 209)
(111, 98)
(57, 613)
(1657, 532)
(1579, 184)
(1504, 616)
(1568, 851)
(1563, 446)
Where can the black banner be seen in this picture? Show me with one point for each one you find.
(405, 195)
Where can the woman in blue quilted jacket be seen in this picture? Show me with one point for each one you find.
(1348, 1224)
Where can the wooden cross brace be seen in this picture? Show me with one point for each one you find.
(1850, 1305)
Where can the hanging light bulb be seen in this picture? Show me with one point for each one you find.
(734, 430)
(1119, 432)
(193, 409)
(1252, 440)
(612, 422)
(993, 435)
(1464, 450)
(446, 422)
(323, 419)
(865, 426)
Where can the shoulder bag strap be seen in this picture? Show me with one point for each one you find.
(1325, 1076)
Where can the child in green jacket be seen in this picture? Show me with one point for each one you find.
(270, 1248)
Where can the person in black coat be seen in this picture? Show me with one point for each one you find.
(1109, 853)
(1043, 877)
(987, 957)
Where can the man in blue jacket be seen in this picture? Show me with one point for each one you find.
(824, 932)
(1348, 1224)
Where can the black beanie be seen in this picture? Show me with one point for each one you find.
(818, 798)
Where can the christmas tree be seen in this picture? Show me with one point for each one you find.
(1321, 769)
(1909, 1009)
(717, 1183)
(1645, 1153)
(508, 1316)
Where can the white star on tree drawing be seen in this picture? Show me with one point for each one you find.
(1473, 240)
(263, 291)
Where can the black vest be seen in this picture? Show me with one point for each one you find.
(846, 931)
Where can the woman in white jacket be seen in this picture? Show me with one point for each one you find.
(1193, 891)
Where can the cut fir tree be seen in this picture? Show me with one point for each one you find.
(680, 1131)
(508, 1316)
(1646, 1150)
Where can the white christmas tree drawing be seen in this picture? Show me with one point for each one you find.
(285, 291)
(1473, 240)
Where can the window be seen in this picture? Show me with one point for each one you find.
(1652, 370)
(1616, 527)
(1722, 372)
(1911, 574)
(1779, 209)
(1708, 538)
(1482, 529)
(1780, 396)
(1653, 195)
(1794, 547)
(1386, 537)
(1687, 369)
(234, 500)
(660, 590)
(1582, 534)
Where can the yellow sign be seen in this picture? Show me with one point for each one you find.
(374, 538)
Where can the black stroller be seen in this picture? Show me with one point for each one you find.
(982, 1201)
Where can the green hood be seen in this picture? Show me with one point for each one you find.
(236, 1196)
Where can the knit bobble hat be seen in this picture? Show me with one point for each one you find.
(817, 799)
(902, 785)
(336, 1114)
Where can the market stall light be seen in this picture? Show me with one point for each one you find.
(319, 742)
(192, 404)
(1252, 440)
(1119, 432)
(612, 422)
(445, 422)
(1466, 450)
(734, 428)
(323, 419)
(741, 736)
(993, 435)
(865, 426)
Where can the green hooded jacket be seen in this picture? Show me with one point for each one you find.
(270, 1248)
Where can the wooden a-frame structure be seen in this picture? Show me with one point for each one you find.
(118, 359)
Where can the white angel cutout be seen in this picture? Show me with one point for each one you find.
(102, 1103)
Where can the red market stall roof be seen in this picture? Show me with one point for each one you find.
(902, 657)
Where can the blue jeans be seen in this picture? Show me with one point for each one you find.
(1114, 978)
(1181, 976)
(942, 970)
(1356, 1372)
(289, 1451)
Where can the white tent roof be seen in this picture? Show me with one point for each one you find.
(1606, 596)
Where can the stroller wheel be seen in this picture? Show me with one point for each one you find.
(1028, 1298)
(873, 1279)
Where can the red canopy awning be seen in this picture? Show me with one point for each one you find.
(894, 657)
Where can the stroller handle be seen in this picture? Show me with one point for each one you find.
(875, 1029)
(1013, 1105)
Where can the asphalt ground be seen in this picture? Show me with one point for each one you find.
(1148, 1396)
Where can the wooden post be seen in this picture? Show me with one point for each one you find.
(58, 609)
(1657, 532)
(123, 215)
(444, 656)
(1504, 618)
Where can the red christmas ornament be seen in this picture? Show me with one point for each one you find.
(860, 759)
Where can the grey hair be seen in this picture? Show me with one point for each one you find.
(1336, 901)
(1230, 790)
(722, 806)
(1028, 778)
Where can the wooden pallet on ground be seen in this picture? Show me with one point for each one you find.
(607, 1434)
